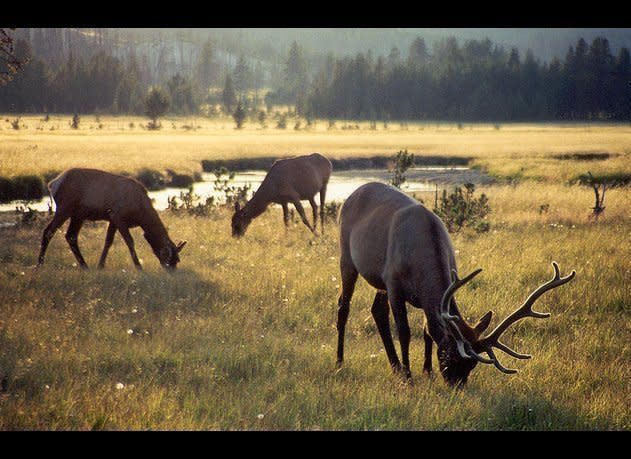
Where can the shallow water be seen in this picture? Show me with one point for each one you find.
(341, 184)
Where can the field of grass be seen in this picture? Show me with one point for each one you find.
(510, 150)
(243, 335)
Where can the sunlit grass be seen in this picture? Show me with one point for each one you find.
(243, 335)
(514, 150)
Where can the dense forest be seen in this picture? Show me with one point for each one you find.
(449, 80)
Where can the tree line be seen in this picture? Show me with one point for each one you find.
(477, 80)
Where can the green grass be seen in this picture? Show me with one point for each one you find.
(243, 335)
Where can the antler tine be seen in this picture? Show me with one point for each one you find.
(456, 283)
(525, 310)
(464, 347)
(498, 365)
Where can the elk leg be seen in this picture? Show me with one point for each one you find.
(285, 214)
(381, 314)
(322, 196)
(349, 278)
(72, 236)
(399, 311)
(301, 211)
(130, 244)
(314, 208)
(427, 365)
(58, 220)
(109, 238)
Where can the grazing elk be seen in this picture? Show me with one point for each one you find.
(289, 180)
(90, 194)
(405, 252)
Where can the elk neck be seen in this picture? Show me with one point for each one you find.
(259, 202)
(155, 232)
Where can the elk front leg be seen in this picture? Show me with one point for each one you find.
(58, 220)
(322, 197)
(399, 311)
(72, 236)
(285, 214)
(109, 238)
(349, 278)
(381, 314)
(130, 244)
(427, 365)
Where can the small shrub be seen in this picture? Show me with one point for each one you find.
(239, 115)
(179, 180)
(401, 163)
(6, 189)
(191, 203)
(331, 210)
(461, 209)
(151, 179)
(282, 122)
(74, 124)
(15, 124)
(28, 187)
(543, 208)
(231, 193)
(28, 215)
(262, 116)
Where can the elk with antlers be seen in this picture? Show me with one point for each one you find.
(405, 252)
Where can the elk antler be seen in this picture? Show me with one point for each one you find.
(464, 346)
(490, 341)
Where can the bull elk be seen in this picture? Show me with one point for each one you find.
(404, 251)
(90, 194)
(289, 180)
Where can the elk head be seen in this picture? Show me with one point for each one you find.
(459, 351)
(168, 253)
(240, 221)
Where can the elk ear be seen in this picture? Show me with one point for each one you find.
(180, 246)
(483, 323)
(237, 206)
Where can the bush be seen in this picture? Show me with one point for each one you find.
(28, 187)
(231, 193)
(151, 179)
(239, 115)
(460, 209)
(188, 202)
(331, 210)
(402, 162)
(6, 190)
(156, 105)
(74, 124)
(179, 180)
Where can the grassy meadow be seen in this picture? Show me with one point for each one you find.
(243, 336)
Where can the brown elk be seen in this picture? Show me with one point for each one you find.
(90, 194)
(405, 252)
(289, 180)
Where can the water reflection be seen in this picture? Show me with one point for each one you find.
(341, 184)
